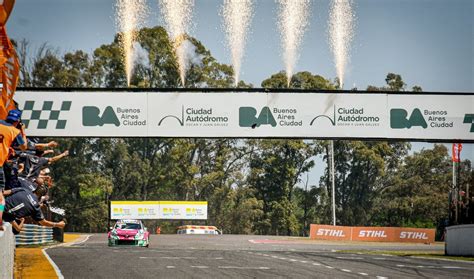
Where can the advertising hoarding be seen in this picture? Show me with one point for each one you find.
(163, 210)
(372, 234)
(249, 115)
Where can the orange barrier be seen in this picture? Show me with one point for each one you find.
(322, 232)
(374, 234)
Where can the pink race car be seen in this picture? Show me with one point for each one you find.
(129, 232)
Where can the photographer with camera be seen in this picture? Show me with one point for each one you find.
(11, 131)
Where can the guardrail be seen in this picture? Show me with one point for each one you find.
(34, 235)
(7, 252)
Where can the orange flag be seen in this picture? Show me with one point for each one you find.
(9, 65)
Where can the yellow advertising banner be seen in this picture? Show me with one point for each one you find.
(163, 210)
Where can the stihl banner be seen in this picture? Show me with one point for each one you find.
(374, 234)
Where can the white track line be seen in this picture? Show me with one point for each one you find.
(244, 267)
(78, 243)
(51, 262)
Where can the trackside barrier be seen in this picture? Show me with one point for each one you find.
(34, 235)
(374, 234)
(460, 240)
(7, 252)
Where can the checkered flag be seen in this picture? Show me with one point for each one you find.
(47, 113)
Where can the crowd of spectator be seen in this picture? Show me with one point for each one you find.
(24, 175)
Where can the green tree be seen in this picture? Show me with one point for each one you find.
(418, 195)
(301, 80)
(395, 82)
(276, 167)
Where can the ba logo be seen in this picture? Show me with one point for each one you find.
(91, 117)
(469, 119)
(248, 117)
(399, 119)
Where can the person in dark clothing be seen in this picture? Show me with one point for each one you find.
(10, 168)
(33, 164)
(11, 131)
(23, 203)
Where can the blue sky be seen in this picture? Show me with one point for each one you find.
(429, 42)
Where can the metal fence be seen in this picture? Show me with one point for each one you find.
(34, 235)
(7, 252)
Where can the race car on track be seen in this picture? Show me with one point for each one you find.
(129, 232)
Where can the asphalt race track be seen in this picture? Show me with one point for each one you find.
(231, 256)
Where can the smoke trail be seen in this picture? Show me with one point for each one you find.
(237, 17)
(341, 33)
(130, 17)
(178, 17)
(187, 50)
(140, 55)
(293, 22)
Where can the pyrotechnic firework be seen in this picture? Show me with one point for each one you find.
(178, 16)
(341, 33)
(237, 17)
(130, 17)
(293, 23)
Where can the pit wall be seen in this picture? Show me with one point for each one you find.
(7, 252)
(460, 240)
(372, 234)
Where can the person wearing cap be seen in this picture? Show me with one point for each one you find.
(11, 131)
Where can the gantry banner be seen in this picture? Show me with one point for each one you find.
(249, 115)
(163, 210)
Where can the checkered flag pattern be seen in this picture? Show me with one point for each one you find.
(45, 114)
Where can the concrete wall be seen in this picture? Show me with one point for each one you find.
(7, 252)
(460, 240)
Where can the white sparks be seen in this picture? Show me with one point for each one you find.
(341, 33)
(178, 16)
(130, 17)
(293, 22)
(237, 19)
